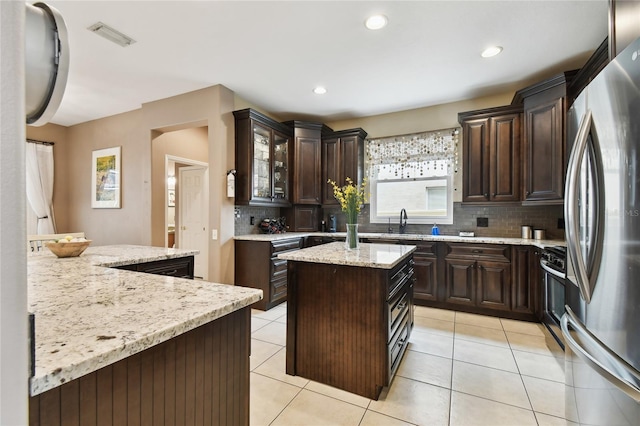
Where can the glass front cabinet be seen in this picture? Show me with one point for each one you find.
(262, 160)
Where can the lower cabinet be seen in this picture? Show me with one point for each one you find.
(257, 266)
(479, 275)
(492, 279)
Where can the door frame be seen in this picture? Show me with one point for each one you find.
(189, 162)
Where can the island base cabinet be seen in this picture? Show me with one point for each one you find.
(200, 377)
(348, 326)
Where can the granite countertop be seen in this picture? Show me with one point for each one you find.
(88, 315)
(410, 237)
(384, 256)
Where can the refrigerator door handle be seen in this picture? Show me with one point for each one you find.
(606, 363)
(571, 207)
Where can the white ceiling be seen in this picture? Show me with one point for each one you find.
(272, 53)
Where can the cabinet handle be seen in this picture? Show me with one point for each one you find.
(173, 273)
(402, 305)
(401, 343)
(476, 251)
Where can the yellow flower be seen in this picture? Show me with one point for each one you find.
(351, 198)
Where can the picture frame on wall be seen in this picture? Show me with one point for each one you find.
(171, 197)
(105, 178)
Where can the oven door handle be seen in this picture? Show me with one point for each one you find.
(559, 275)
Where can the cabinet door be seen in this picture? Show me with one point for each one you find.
(526, 276)
(494, 285)
(475, 160)
(330, 169)
(280, 167)
(425, 269)
(306, 182)
(261, 164)
(349, 147)
(504, 161)
(544, 151)
(460, 281)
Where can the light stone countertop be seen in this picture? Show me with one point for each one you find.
(384, 256)
(409, 237)
(88, 315)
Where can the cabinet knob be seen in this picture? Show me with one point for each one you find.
(526, 193)
(493, 195)
(486, 195)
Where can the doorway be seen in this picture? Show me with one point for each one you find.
(189, 209)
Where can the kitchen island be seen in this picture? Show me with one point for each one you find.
(114, 346)
(349, 314)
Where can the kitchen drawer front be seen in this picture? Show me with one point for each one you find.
(278, 289)
(398, 307)
(423, 248)
(399, 276)
(398, 344)
(282, 246)
(278, 269)
(489, 252)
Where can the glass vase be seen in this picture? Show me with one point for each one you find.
(352, 242)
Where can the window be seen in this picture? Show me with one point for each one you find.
(413, 172)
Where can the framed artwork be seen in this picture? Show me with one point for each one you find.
(105, 178)
(172, 197)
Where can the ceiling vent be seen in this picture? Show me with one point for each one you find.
(111, 34)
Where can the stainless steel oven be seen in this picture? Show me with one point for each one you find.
(554, 273)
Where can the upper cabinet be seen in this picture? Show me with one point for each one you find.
(306, 162)
(262, 160)
(491, 159)
(544, 147)
(624, 25)
(342, 157)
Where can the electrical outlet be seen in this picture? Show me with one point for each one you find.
(214, 234)
(482, 222)
(252, 220)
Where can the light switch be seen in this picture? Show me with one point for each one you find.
(214, 234)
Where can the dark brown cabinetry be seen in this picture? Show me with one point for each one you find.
(257, 265)
(478, 275)
(348, 326)
(525, 297)
(181, 267)
(342, 157)
(491, 160)
(262, 160)
(306, 162)
(425, 268)
(302, 218)
(544, 147)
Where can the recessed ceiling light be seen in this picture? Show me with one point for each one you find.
(376, 22)
(319, 90)
(491, 51)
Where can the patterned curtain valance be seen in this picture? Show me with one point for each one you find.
(433, 153)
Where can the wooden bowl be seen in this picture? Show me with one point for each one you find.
(70, 249)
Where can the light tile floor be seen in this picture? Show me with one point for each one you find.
(460, 369)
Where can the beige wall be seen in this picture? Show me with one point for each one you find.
(421, 119)
(61, 160)
(191, 143)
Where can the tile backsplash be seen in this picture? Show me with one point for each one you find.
(503, 221)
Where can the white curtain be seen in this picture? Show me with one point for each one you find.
(40, 185)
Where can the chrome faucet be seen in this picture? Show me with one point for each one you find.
(403, 221)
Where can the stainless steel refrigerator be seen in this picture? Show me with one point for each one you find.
(602, 216)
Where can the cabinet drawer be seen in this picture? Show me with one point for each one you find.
(398, 307)
(397, 346)
(278, 289)
(278, 269)
(424, 248)
(400, 276)
(493, 252)
(285, 245)
(178, 267)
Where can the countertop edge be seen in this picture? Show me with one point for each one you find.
(351, 257)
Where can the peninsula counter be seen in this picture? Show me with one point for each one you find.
(113, 346)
